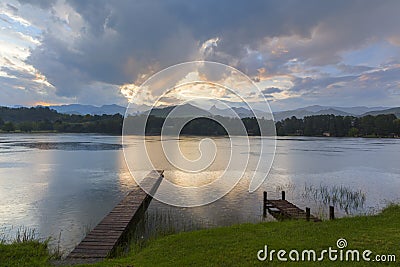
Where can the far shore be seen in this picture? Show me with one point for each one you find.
(108, 134)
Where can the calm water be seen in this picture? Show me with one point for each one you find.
(63, 185)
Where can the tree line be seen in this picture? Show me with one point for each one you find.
(341, 126)
(44, 119)
(214, 126)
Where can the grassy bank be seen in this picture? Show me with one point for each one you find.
(29, 253)
(238, 245)
(25, 249)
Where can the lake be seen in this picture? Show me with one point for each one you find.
(64, 184)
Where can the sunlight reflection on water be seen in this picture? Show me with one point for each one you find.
(73, 181)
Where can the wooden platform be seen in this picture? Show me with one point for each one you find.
(287, 210)
(283, 209)
(111, 231)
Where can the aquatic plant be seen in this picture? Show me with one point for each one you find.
(25, 234)
(339, 196)
(288, 186)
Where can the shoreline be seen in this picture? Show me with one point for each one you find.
(108, 134)
(237, 244)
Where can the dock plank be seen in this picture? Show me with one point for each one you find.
(101, 241)
(287, 210)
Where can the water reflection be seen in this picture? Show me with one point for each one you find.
(70, 190)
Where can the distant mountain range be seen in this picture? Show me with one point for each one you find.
(324, 110)
(189, 110)
(359, 110)
(186, 110)
(89, 109)
(240, 111)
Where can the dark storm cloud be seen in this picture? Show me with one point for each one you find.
(379, 87)
(268, 96)
(121, 40)
(315, 32)
(271, 90)
(309, 85)
(371, 86)
(167, 32)
(353, 27)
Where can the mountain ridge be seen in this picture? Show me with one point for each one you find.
(79, 109)
(313, 110)
(395, 111)
(186, 110)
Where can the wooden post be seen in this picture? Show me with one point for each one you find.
(308, 214)
(331, 212)
(283, 195)
(265, 204)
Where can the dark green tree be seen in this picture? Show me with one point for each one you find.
(8, 127)
(26, 126)
(353, 132)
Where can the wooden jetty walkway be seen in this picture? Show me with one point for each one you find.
(283, 209)
(112, 230)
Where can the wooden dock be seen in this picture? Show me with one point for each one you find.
(112, 230)
(283, 209)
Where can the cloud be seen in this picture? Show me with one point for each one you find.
(353, 69)
(313, 44)
(271, 90)
(13, 8)
(41, 3)
(269, 96)
(371, 88)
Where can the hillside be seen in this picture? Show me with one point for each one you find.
(79, 109)
(395, 111)
(240, 111)
(186, 110)
(44, 119)
(304, 112)
(359, 111)
(28, 114)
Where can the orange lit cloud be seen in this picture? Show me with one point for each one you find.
(44, 104)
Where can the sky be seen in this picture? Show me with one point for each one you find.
(298, 53)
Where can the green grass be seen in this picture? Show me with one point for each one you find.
(238, 245)
(25, 249)
(27, 253)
